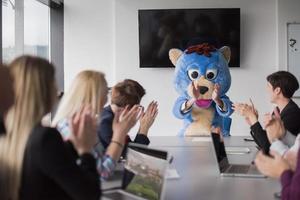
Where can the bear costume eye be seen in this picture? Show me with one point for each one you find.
(211, 74)
(193, 74)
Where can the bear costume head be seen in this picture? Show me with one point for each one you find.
(198, 70)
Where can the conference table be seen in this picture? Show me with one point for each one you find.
(199, 178)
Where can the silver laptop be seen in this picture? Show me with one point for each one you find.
(144, 174)
(232, 170)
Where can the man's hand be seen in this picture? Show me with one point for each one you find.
(148, 118)
(124, 121)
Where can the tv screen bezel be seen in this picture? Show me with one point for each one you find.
(185, 9)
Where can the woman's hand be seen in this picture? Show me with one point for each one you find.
(274, 126)
(124, 121)
(247, 111)
(148, 118)
(272, 167)
(291, 157)
(83, 128)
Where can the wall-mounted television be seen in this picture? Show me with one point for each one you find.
(163, 29)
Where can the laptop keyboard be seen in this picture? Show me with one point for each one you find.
(240, 169)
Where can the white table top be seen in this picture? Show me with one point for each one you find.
(198, 171)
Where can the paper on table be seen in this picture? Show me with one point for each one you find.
(172, 174)
(201, 139)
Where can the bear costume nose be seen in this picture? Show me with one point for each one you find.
(203, 89)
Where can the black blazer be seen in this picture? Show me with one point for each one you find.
(290, 116)
(53, 170)
(105, 131)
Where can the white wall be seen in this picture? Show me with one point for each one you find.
(288, 12)
(258, 56)
(103, 34)
(88, 41)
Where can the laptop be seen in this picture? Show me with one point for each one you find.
(232, 170)
(144, 174)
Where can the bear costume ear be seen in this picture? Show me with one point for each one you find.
(226, 53)
(174, 54)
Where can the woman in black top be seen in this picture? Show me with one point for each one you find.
(289, 116)
(52, 169)
(281, 87)
(35, 162)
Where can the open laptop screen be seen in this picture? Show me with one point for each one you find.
(220, 152)
(144, 171)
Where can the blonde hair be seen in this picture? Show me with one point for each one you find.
(88, 87)
(34, 89)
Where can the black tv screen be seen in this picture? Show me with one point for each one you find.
(163, 29)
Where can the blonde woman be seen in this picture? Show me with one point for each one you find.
(35, 163)
(90, 87)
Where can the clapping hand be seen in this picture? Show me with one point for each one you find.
(216, 96)
(124, 121)
(248, 111)
(148, 117)
(195, 94)
(274, 126)
(271, 166)
(83, 128)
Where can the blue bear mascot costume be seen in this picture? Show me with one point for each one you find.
(202, 79)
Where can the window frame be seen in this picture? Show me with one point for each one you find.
(56, 35)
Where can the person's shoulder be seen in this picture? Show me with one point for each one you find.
(292, 107)
(292, 104)
(41, 134)
(290, 114)
(107, 113)
(43, 130)
(107, 108)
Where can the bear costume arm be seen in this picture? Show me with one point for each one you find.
(227, 108)
(177, 108)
